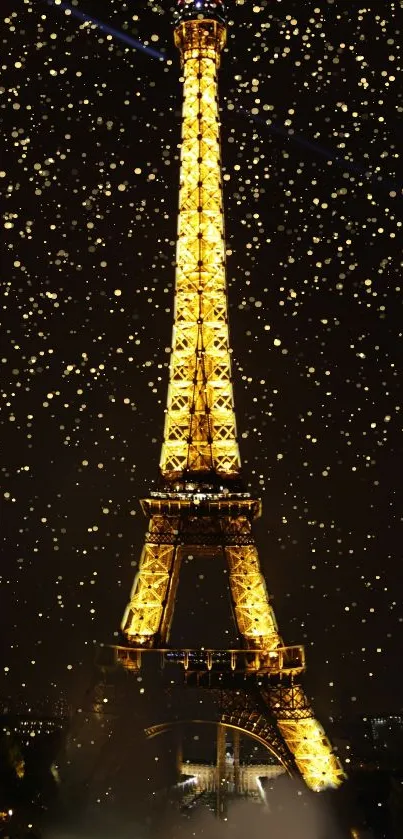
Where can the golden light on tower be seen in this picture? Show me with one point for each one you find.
(200, 430)
(201, 503)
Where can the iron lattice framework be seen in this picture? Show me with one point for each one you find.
(201, 504)
(200, 430)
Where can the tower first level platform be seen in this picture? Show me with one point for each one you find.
(214, 523)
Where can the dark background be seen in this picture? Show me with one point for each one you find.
(311, 109)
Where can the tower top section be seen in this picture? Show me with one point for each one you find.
(200, 438)
(199, 10)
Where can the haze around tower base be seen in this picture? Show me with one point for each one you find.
(290, 813)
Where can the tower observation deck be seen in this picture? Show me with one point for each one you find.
(201, 502)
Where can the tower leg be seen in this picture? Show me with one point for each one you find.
(220, 773)
(148, 615)
(253, 613)
(304, 737)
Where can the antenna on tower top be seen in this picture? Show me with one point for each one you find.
(199, 10)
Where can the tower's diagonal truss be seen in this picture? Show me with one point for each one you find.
(201, 503)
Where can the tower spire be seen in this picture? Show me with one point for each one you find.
(200, 429)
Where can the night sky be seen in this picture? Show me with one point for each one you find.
(311, 108)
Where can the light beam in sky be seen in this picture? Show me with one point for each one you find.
(329, 154)
(104, 27)
(275, 128)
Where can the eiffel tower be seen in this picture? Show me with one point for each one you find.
(201, 505)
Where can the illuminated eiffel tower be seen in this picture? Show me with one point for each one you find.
(201, 505)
